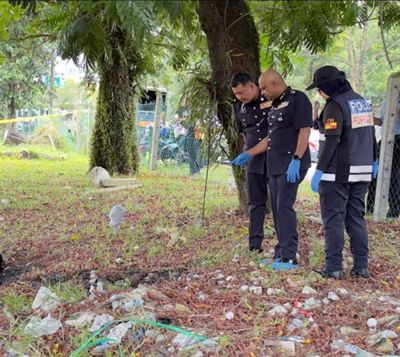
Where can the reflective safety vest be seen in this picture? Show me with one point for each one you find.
(354, 156)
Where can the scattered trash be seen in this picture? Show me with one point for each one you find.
(220, 276)
(256, 290)
(183, 341)
(119, 261)
(333, 296)
(5, 202)
(311, 304)
(116, 214)
(244, 288)
(229, 315)
(118, 332)
(386, 347)
(182, 308)
(376, 338)
(347, 331)
(277, 311)
(202, 296)
(308, 290)
(275, 292)
(230, 278)
(45, 300)
(160, 338)
(342, 292)
(372, 323)
(295, 324)
(80, 319)
(298, 339)
(133, 304)
(38, 327)
(100, 321)
(284, 348)
(347, 347)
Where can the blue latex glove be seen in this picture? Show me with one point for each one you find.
(293, 171)
(241, 160)
(315, 180)
(281, 266)
(375, 169)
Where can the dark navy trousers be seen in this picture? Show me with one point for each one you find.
(343, 207)
(257, 195)
(283, 197)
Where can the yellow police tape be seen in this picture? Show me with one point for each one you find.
(41, 117)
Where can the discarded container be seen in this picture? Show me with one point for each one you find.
(229, 315)
(372, 323)
(298, 339)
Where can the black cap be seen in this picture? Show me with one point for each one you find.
(326, 74)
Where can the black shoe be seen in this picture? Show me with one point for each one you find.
(360, 273)
(258, 250)
(286, 260)
(338, 274)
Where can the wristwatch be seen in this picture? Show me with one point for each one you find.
(296, 157)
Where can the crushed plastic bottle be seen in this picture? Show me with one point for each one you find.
(348, 347)
(298, 339)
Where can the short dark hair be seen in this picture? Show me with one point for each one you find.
(241, 78)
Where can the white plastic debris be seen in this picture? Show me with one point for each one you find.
(342, 292)
(372, 323)
(296, 323)
(308, 290)
(275, 291)
(219, 276)
(376, 338)
(333, 296)
(45, 300)
(80, 319)
(118, 332)
(202, 296)
(257, 290)
(311, 304)
(277, 311)
(229, 315)
(133, 304)
(100, 321)
(116, 214)
(5, 202)
(183, 341)
(38, 327)
(244, 288)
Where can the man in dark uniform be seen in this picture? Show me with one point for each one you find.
(250, 110)
(345, 167)
(288, 159)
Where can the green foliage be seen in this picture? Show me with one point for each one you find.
(17, 304)
(23, 66)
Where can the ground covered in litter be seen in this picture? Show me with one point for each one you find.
(168, 284)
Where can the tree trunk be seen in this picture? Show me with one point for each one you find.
(232, 40)
(114, 144)
(12, 112)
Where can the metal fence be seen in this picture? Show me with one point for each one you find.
(69, 131)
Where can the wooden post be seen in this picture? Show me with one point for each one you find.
(156, 132)
(387, 145)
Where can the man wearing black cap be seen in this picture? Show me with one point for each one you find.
(346, 165)
(250, 110)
